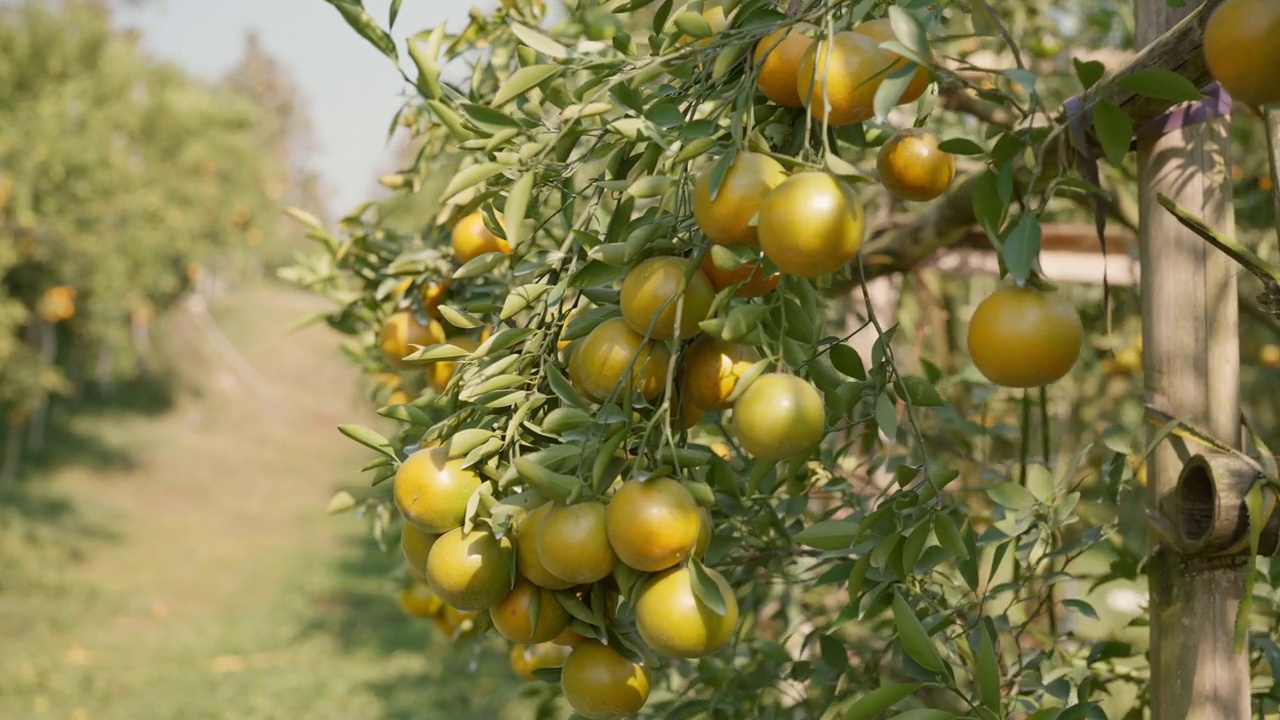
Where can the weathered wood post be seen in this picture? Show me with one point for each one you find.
(1192, 366)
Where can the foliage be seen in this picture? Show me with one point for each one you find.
(937, 556)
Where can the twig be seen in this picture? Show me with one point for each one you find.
(1271, 121)
(1266, 272)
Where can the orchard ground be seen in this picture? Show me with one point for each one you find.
(185, 568)
(179, 563)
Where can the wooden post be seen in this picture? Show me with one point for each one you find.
(1192, 366)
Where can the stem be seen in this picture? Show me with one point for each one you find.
(1044, 422)
(1233, 249)
(1025, 451)
(1271, 121)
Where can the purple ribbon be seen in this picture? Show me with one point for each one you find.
(1216, 104)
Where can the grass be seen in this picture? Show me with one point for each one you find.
(177, 563)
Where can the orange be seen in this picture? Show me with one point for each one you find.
(882, 31)
(652, 524)
(470, 571)
(911, 166)
(779, 417)
(651, 298)
(1242, 50)
(844, 74)
(472, 238)
(513, 617)
(600, 684)
(403, 330)
(527, 562)
(713, 368)
(525, 659)
(431, 490)
(419, 601)
(750, 278)
(1022, 338)
(415, 545)
(674, 621)
(778, 56)
(615, 357)
(811, 224)
(726, 219)
(456, 624)
(573, 542)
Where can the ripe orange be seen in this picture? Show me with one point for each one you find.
(513, 617)
(401, 331)
(415, 545)
(419, 601)
(1269, 356)
(676, 623)
(431, 491)
(1022, 338)
(456, 624)
(754, 283)
(651, 295)
(652, 524)
(1242, 52)
(613, 356)
(573, 542)
(778, 56)
(527, 562)
(470, 571)
(811, 224)
(882, 31)
(912, 167)
(779, 417)
(569, 638)
(843, 74)
(600, 684)
(527, 658)
(725, 220)
(712, 369)
(472, 238)
(399, 397)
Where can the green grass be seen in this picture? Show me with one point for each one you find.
(177, 563)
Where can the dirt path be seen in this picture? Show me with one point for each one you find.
(227, 592)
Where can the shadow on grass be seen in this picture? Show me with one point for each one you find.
(470, 679)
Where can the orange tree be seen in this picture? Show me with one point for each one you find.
(621, 422)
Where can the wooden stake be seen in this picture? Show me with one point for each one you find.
(1192, 367)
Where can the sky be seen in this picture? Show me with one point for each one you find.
(351, 90)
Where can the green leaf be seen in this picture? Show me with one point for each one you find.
(1011, 495)
(988, 208)
(915, 641)
(1089, 72)
(458, 319)
(554, 485)
(539, 42)
(910, 33)
(1161, 84)
(464, 441)
(921, 392)
(395, 13)
(364, 24)
(521, 298)
(960, 146)
(1116, 439)
(341, 502)
(882, 698)
(1081, 607)
(891, 90)
(848, 361)
(987, 671)
(517, 204)
(887, 415)
(482, 264)
(521, 82)
(924, 714)
(368, 438)
(828, 534)
(949, 536)
(719, 170)
(706, 589)
(1114, 131)
(1022, 247)
(470, 177)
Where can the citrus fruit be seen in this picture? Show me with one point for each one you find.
(1022, 338)
(778, 56)
(470, 571)
(675, 622)
(573, 542)
(712, 369)
(431, 490)
(811, 224)
(527, 658)
(454, 623)
(569, 638)
(403, 330)
(1269, 356)
(779, 417)
(613, 356)
(600, 684)
(527, 561)
(433, 294)
(419, 601)
(658, 302)
(472, 238)
(513, 617)
(415, 545)
(726, 219)
(652, 524)
(842, 74)
(1242, 52)
(881, 31)
(750, 278)
(911, 166)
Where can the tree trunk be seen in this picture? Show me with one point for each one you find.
(1192, 366)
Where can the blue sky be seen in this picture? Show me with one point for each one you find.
(352, 90)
